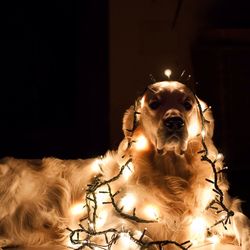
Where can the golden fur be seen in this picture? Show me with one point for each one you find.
(36, 195)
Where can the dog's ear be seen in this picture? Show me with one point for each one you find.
(129, 121)
(209, 120)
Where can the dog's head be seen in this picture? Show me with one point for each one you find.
(169, 116)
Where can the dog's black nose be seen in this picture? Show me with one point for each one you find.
(174, 123)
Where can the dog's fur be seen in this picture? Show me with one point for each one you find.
(36, 195)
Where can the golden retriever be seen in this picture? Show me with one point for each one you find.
(166, 176)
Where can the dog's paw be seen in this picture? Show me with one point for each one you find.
(5, 243)
(245, 239)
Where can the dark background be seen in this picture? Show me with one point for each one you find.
(60, 61)
(54, 78)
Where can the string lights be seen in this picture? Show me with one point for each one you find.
(101, 199)
(217, 203)
(88, 231)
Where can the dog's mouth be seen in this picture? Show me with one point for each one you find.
(171, 140)
(174, 137)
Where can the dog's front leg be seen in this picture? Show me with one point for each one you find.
(5, 243)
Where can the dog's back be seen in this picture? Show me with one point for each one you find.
(35, 197)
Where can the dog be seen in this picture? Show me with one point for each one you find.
(166, 176)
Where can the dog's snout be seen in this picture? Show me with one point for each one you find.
(174, 123)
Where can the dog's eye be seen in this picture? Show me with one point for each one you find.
(154, 104)
(187, 105)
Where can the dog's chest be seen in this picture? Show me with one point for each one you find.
(171, 164)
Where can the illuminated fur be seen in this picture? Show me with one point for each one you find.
(36, 196)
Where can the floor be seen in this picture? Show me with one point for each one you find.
(207, 247)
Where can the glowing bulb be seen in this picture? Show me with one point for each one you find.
(102, 218)
(126, 243)
(141, 143)
(214, 239)
(151, 212)
(206, 197)
(137, 234)
(194, 242)
(168, 72)
(128, 171)
(203, 133)
(220, 157)
(223, 217)
(91, 225)
(96, 166)
(124, 240)
(198, 227)
(77, 209)
(124, 237)
(194, 129)
(128, 202)
(102, 196)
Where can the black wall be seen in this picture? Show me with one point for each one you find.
(54, 78)
(221, 66)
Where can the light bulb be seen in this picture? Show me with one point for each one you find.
(168, 72)
(203, 133)
(206, 197)
(128, 202)
(151, 212)
(126, 243)
(198, 228)
(141, 143)
(137, 234)
(96, 166)
(102, 218)
(77, 209)
(91, 226)
(193, 128)
(102, 195)
(220, 157)
(128, 171)
(214, 239)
